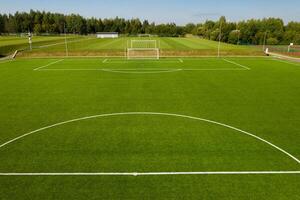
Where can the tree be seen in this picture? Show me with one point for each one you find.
(11, 25)
(37, 29)
(272, 41)
(233, 37)
(190, 28)
(2, 24)
(145, 27)
(136, 26)
(249, 32)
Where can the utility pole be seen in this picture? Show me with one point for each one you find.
(265, 38)
(220, 35)
(66, 43)
(30, 40)
(239, 32)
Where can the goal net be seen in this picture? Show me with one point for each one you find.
(143, 49)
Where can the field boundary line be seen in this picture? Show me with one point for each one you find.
(151, 173)
(116, 56)
(237, 64)
(212, 56)
(52, 63)
(159, 114)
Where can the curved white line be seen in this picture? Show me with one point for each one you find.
(149, 173)
(141, 72)
(154, 113)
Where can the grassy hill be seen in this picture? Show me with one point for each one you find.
(91, 46)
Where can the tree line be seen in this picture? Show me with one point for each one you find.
(253, 31)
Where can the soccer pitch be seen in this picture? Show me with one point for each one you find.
(173, 128)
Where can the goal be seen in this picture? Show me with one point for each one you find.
(143, 49)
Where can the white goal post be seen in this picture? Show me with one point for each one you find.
(143, 49)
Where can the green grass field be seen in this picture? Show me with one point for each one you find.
(174, 128)
(9, 44)
(45, 46)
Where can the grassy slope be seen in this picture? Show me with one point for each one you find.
(9, 44)
(93, 46)
(252, 100)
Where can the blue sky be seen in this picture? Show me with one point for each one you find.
(161, 11)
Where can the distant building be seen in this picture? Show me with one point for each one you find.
(107, 35)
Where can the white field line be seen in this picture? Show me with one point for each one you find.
(237, 64)
(69, 57)
(59, 43)
(141, 72)
(146, 61)
(123, 71)
(184, 57)
(280, 56)
(104, 61)
(228, 56)
(287, 62)
(39, 68)
(152, 173)
(180, 60)
(144, 71)
(129, 69)
(215, 69)
(166, 69)
(158, 114)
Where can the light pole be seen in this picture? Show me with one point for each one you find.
(239, 32)
(220, 35)
(66, 44)
(265, 38)
(30, 40)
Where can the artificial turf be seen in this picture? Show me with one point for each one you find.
(262, 100)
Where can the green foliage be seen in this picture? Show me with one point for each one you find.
(250, 32)
(233, 37)
(2, 25)
(272, 41)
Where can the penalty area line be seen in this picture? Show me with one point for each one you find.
(152, 173)
(237, 64)
(154, 70)
(52, 63)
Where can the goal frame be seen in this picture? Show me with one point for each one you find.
(152, 47)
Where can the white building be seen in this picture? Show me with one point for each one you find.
(107, 35)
